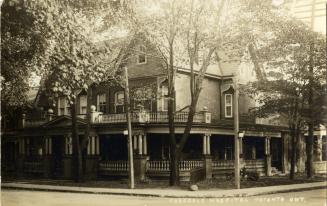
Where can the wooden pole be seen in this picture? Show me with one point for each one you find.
(236, 140)
(129, 136)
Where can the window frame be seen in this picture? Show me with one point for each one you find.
(141, 48)
(102, 104)
(82, 106)
(164, 98)
(229, 105)
(116, 100)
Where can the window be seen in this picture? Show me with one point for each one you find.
(61, 106)
(67, 112)
(141, 58)
(143, 97)
(101, 103)
(82, 104)
(119, 102)
(164, 90)
(228, 105)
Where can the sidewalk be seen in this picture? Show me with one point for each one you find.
(175, 193)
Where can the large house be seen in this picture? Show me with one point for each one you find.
(42, 144)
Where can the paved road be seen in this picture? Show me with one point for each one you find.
(35, 198)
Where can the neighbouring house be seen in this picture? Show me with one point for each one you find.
(42, 144)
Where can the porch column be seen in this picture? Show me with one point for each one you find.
(47, 159)
(67, 161)
(267, 156)
(208, 143)
(135, 142)
(318, 148)
(21, 152)
(207, 162)
(204, 139)
(145, 146)
(285, 147)
(140, 144)
(92, 157)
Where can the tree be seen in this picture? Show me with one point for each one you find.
(186, 34)
(19, 46)
(293, 69)
(72, 61)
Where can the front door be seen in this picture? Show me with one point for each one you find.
(276, 153)
(58, 152)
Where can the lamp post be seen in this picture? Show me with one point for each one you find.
(236, 136)
(129, 133)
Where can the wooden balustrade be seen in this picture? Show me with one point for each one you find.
(222, 164)
(141, 117)
(152, 117)
(33, 166)
(164, 165)
(113, 165)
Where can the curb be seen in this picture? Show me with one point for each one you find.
(139, 194)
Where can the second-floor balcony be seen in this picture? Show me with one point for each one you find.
(202, 117)
(153, 117)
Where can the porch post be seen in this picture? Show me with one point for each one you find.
(145, 146)
(91, 164)
(135, 142)
(285, 147)
(267, 156)
(140, 159)
(207, 162)
(204, 138)
(208, 144)
(21, 156)
(140, 144)
(318, 148)
(47, 159)
(67, 161)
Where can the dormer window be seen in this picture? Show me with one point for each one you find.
(141, 57)
(228, 105)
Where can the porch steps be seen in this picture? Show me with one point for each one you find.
(275, 172)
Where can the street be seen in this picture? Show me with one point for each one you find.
(35, 198)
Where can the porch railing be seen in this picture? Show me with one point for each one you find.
(151, 117)
(119, 166)
(164, 165)
(222, 164)
(33, 166)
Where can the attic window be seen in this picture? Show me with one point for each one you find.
(141, 58)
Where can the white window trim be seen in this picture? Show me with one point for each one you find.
(138, 55)
(231, 105)
(64, 106)
(98, 100)
(116, 98)
(163, 99)
(80, 104)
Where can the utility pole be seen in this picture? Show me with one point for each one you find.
(129, 133)
(236, 138)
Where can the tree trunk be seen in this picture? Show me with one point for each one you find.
(293, 151)
(77, 154)
(309, 146)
